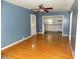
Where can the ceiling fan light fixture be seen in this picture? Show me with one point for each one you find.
(41, 10)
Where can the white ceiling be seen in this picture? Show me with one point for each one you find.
(58, 5)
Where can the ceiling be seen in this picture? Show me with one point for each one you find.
(58, 5)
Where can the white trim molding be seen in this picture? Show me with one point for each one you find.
(15, 43)
(71, 14)
(73, 55)
(39, 33)
(64, 34)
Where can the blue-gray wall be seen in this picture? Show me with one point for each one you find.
(74, 24)
(15, 23)
(66, 21)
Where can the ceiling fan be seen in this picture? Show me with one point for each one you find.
(42, 9)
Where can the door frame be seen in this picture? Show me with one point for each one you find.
(51, 16)
(71, 15)
(31, 23)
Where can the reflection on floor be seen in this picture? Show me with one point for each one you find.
(48, 46)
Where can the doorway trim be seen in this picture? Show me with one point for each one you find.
(71, 14)
(51, 16)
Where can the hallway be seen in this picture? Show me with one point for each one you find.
(48, 46)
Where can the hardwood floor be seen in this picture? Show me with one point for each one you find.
(48, 46)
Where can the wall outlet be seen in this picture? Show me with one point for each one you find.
(23, 37)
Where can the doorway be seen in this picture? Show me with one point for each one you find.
(52, 24)
(33, 24)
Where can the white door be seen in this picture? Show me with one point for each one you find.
(33, 24)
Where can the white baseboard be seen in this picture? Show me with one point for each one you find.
(65, 35)
(15, 43)
(71, 49)
(39, 33)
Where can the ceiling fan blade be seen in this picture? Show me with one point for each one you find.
(46, 10)
(34, 9)
(49, 8)
(40, 6)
